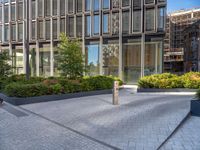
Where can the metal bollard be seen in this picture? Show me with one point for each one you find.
(116, 93)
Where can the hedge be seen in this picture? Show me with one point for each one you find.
(167, 80)
(52, 85)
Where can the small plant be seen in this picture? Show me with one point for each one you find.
(198, 94)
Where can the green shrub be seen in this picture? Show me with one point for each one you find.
(26, 90)
(198, 94)
(191, 80)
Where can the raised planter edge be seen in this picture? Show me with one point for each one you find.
(195, 108)
(149, 90)
(46, 98)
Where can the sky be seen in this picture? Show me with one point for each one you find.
(174, 5)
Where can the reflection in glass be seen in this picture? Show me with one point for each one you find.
(150, 20)
(96, 5)
(87, 26)
(161, 19)
(132, 62)
(92, 59)
(106, 4)
(111, 59)
(32, 61)
(17, 61)
(96, 25)
(106, 23)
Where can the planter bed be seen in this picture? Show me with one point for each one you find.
(46, 98)
(140, 90)
(195, 108)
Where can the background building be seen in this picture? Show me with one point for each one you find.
(192, 47)
(120, 38)
(177, 22)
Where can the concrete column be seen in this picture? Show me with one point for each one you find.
(37, 59)
(142, 54)
(101, 56)
(120, 46)
(51, 43)
(156, 58)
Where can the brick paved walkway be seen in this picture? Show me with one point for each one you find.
(142, 121)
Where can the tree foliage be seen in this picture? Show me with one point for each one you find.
(70, 58)
(5, 68)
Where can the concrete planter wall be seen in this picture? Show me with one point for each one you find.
(140, 90)
(195, 107)
(29, 100)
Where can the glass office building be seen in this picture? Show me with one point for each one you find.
(122, 38)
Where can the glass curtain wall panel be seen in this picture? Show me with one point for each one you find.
(20, 11)
(161, 19)
(149, 1)
(33, 8)
(13, 32)
(1, 13)
(55, 9)
(47, 29)
(96, 5)
(32, 61)
(40, 30)
(55, 68)
(17, 60)
(71, 6)
(47, 8)
(6, 12)
(137, 26)
(62, 7)
(87, 25)
(20, 31)
(44, 61)
(79, 26)
(33, 31)
(40, 8)
(96, 24)
(161, 1)
(6, 33)
(71, 26)
(79, 5)
(106, 23)
(115, 3)
(150, 19)
(62, 25)
(125, 22)
(106, 4)
(13, 12)
(111, 59)
(137, 4)
(125, 3)
(115, 23)
(92, 59)
(55, 30)
(88, 5)
(132, 61)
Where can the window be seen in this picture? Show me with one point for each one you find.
(150, 20)
(6, 17)
(62, 25)
(55, 33)
(161, 1)
(20, 32)
(33, 30)
(62, 7)
(0, 33)
(106, 23)
(115, 3)
(136, 4)
(79, 26)
(20, 11)
(1, 14)
(115, 23)
(71, 26)
(137, 21)
(54, 7)
(96, 5)
(87, 5)
(79, 6)
(161, 19)
(106, 4)
(6, 33)
(40, 8)
(13, 12)
(47, 29)
(149, 1)
(96, 25)
(125, 22)
(47, 7)
(33, 10)
(87, 25)
(13, 32)
(70, 6)
(125, 3)
(40, 30)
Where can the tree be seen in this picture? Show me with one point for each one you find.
(70, 58)
(5, 68)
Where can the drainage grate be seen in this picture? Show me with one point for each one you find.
(13, 111)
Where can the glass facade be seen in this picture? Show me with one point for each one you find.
(110, 31)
